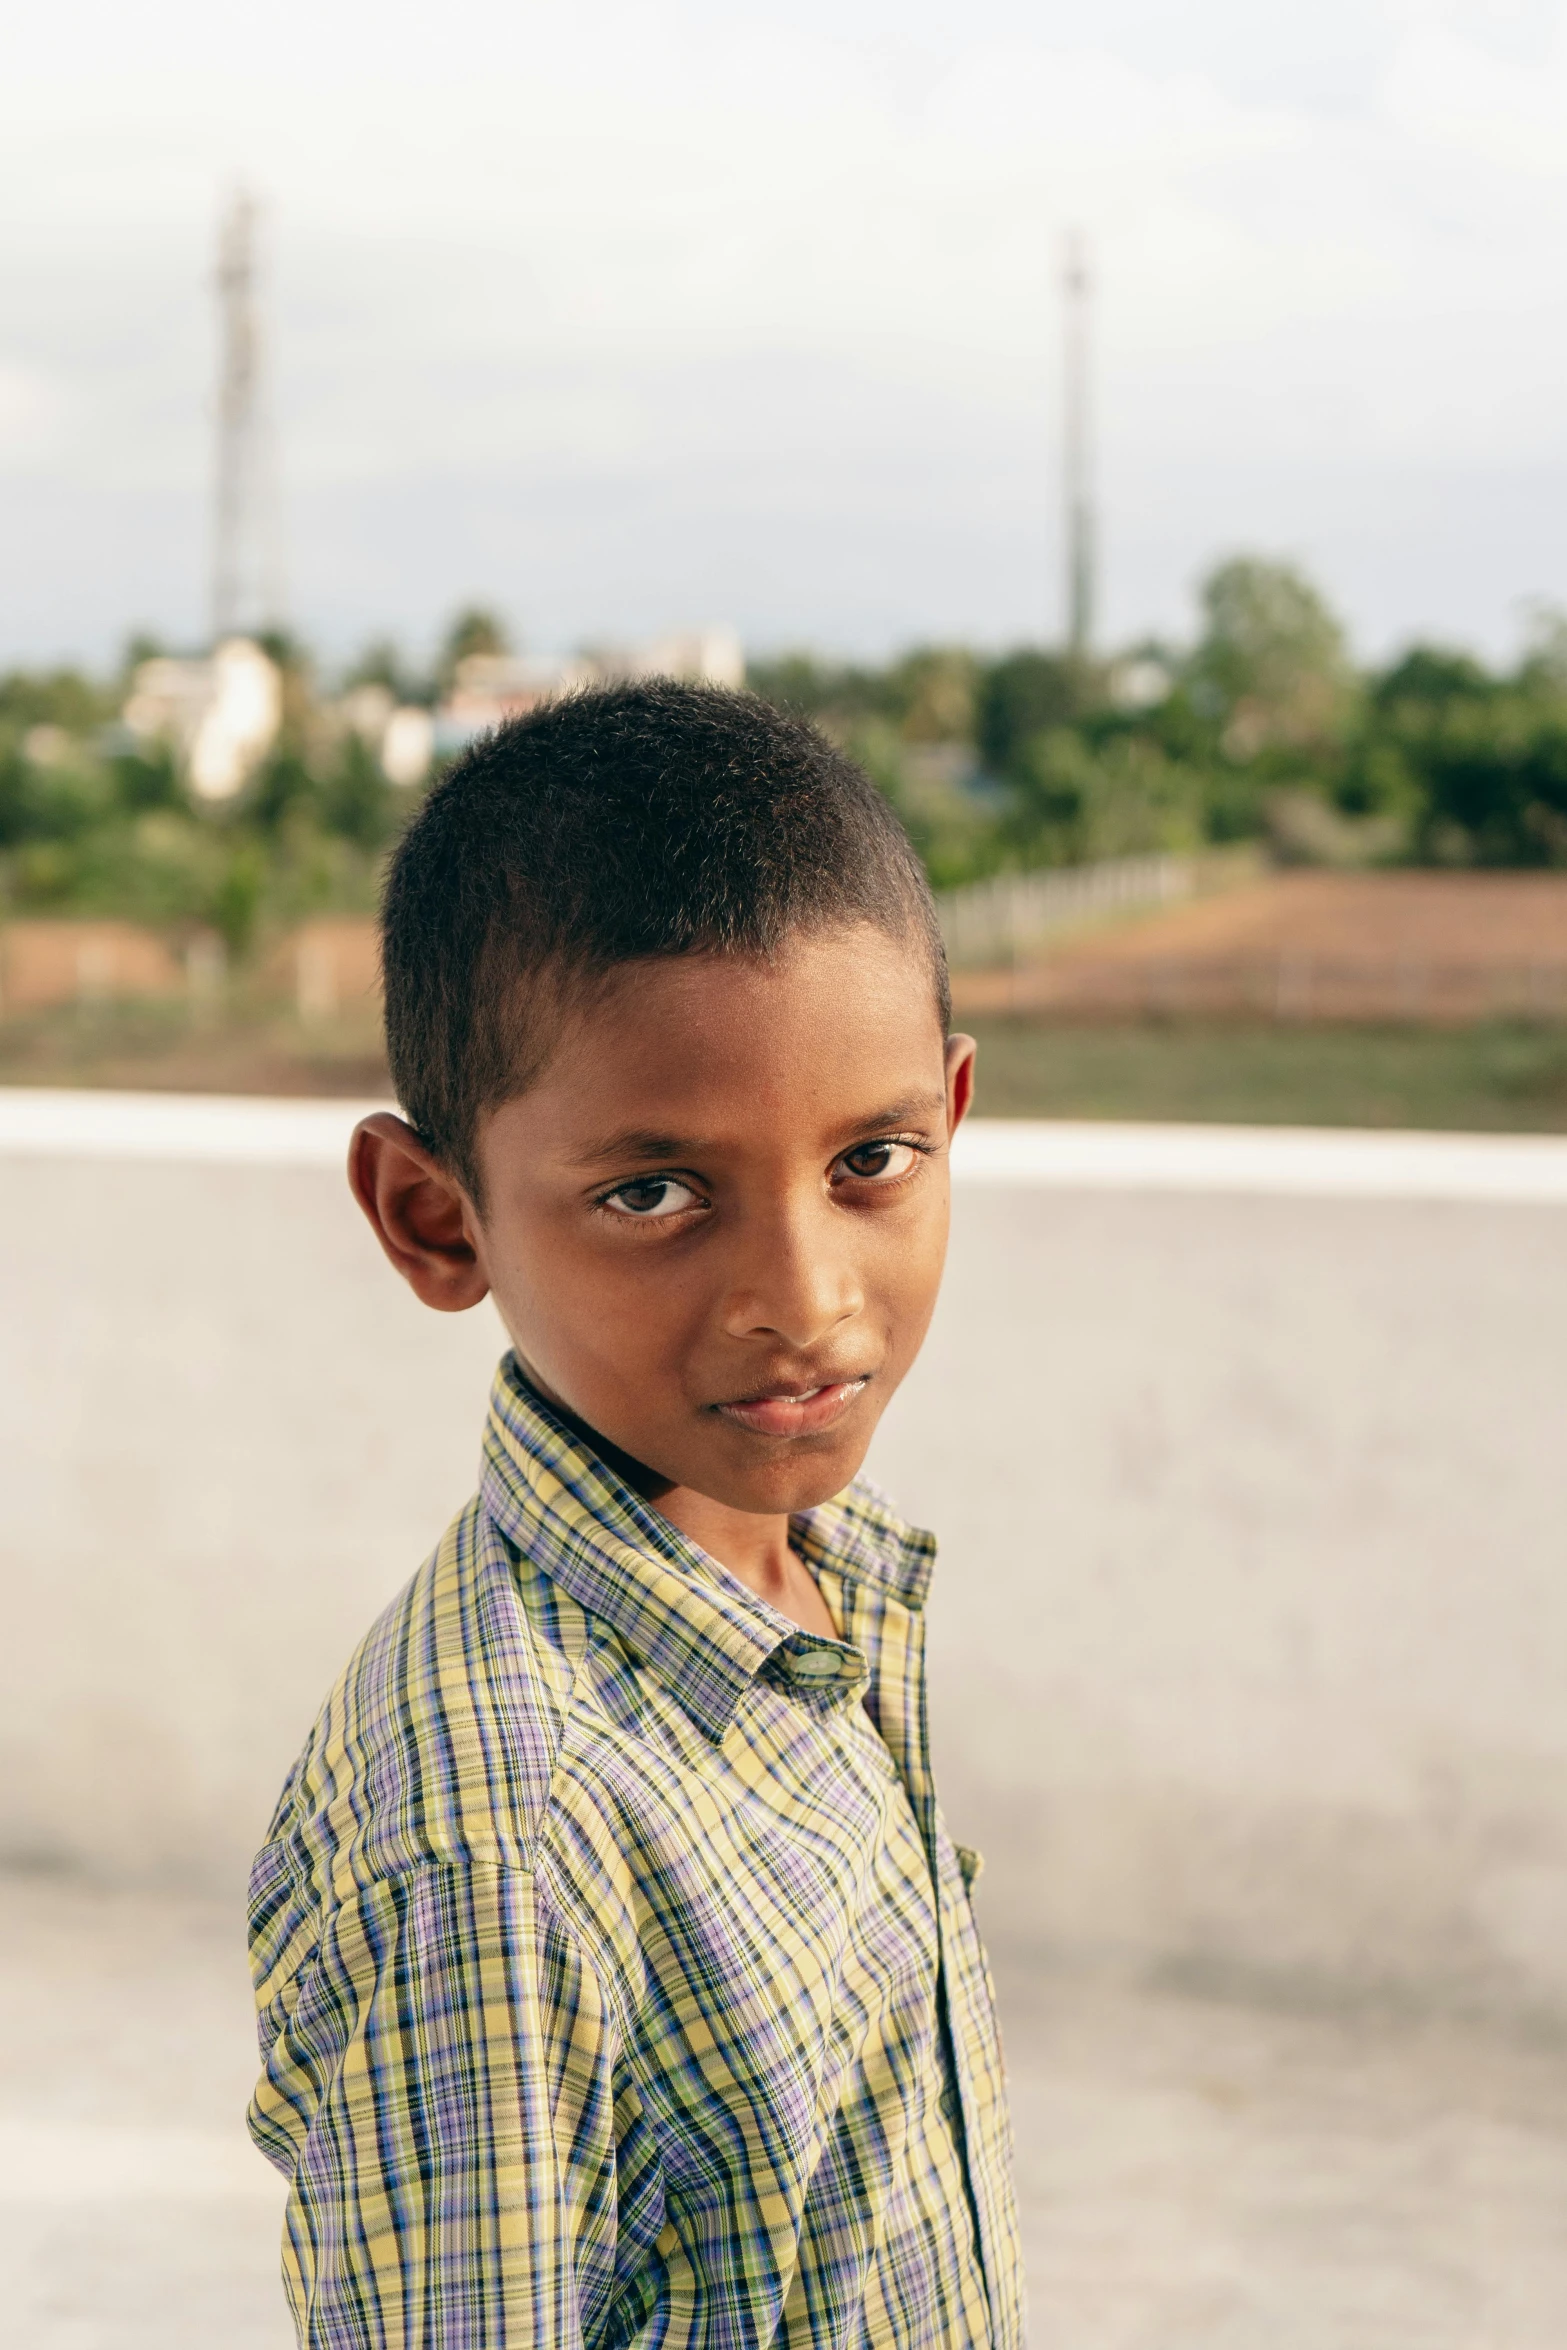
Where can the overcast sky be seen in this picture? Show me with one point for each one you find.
(623, 317)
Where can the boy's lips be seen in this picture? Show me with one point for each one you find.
(804, 1413)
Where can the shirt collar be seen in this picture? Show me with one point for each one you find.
(858, 1534)
(680, 1613)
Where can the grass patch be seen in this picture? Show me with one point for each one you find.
(1506, 1077)
(252, 1047)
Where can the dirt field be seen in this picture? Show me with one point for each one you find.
(103, 1003)
(1397, 999)
(1439, 948)
(326, 966)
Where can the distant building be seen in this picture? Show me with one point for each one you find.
(697, 656)
(48, 746)
(220, 716)
(366, 710)
(402, 735)
(489, 688)
(408, 745)
(1141, 681)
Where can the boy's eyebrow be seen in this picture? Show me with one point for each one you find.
(633, 1142)
(901, 1113)
(643, 1142)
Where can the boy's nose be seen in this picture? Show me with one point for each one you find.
(798, 1282)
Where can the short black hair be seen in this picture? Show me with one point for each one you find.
(634, 820)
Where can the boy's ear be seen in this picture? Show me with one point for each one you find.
(418, 1212)
(960, 1079)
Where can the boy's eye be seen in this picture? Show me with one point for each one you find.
(879, 1162)
(651, 1196)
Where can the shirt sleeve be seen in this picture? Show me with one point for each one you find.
(438, 2081)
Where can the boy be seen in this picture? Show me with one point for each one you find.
(617, 1978)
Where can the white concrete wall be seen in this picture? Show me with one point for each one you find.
(1247, 1452)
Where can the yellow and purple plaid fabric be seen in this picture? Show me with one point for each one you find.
(617, 1978)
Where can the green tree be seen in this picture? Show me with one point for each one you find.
(1024, 696)
(1485, 756)
(838, 695)
(1076, 801)
(382, 663)
(141, 645)
(1272, 667)
(53, 697)
(357, 802)
(475, 630)
(930, 694)
(1426, 679)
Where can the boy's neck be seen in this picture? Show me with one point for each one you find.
(756, 1550)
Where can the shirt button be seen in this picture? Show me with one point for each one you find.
(818, 1665)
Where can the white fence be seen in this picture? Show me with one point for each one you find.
(1000, 920)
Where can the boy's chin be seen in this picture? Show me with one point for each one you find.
(797, 1477)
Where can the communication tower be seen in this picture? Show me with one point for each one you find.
(1076, 448)
(247, 587)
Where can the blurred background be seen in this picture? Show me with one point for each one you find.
(1138, 435)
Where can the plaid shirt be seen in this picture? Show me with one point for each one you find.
(617, 1978)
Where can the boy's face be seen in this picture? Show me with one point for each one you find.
(715, 1224)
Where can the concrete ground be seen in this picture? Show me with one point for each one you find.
(1194, 2176)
